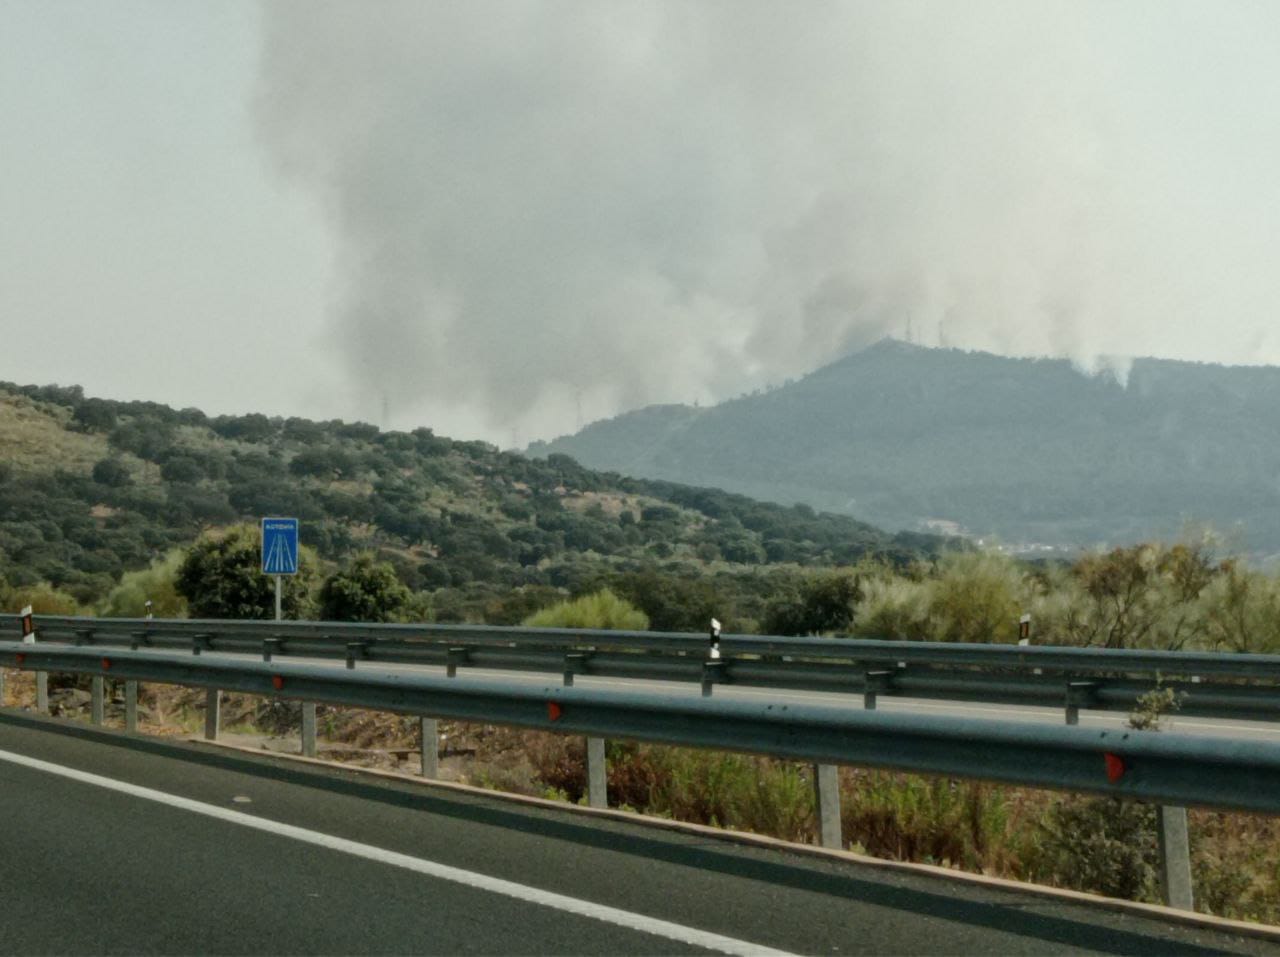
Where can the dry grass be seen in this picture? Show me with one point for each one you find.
(34, 437)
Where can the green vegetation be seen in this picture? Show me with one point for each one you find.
(364, 590)
(603, 609)
(221, 577)
(92, 490)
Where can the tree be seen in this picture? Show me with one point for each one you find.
(364, 590)
(111, 472)
(822, 604)
(95, 415)
(221, 577)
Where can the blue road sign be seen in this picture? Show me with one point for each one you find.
(280, 546)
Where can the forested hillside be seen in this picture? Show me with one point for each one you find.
(90, 489)
(1028, 450)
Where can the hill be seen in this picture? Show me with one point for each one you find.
(1027, 450)
(90, 489)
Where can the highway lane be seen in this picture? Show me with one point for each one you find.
(1183, 724)
(247, 854)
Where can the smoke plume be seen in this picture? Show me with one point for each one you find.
(574, 205)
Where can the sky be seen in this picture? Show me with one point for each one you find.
(504, 219)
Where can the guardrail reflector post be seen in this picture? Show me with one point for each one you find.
(42, 678)
(597, 774)
(212, 707)
(97, 708)
(456, 656)
(826, 795)
(270, 646)
(308, 729)
(1175, 857)
(429, 735)
(131, 705)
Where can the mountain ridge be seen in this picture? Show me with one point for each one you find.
(1027, 450)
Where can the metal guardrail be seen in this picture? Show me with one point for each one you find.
(1171, 768)
(1210, 684)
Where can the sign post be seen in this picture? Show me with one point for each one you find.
(280, 558)
(279, 551)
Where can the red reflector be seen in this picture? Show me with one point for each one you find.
(106, 664)
(1115, 767)
(20, 659)
(277, 682)
(554, 711)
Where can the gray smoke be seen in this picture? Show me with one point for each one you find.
(550, 205)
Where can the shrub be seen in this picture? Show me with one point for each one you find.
(363, 590)
(156, 584)
(603, 609)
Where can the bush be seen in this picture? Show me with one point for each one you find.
(603, 609)
(364, 590)
(156, 584)
(1103, 845)
(43, 598)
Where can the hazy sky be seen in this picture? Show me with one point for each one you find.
(489, 215)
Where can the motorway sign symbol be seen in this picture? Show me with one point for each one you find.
(280, 546)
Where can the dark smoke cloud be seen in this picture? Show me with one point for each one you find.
(554, 204)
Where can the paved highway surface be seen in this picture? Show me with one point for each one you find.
(118, 844)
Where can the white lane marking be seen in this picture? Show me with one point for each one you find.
(494, 885)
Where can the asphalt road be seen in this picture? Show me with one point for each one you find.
(118, 844)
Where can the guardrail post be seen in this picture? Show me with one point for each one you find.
(1079, 695)
(713, 673)
(429, 735)
(826, 794)
(212, 707)
(1, 687)
(875, 683)
(575, 663)
(1175, 856)
(131, 705)
(597, 774)
(97, 706)
(308, 729)
(42, 692)
(356, 649)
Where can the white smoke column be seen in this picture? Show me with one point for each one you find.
(547, 204)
